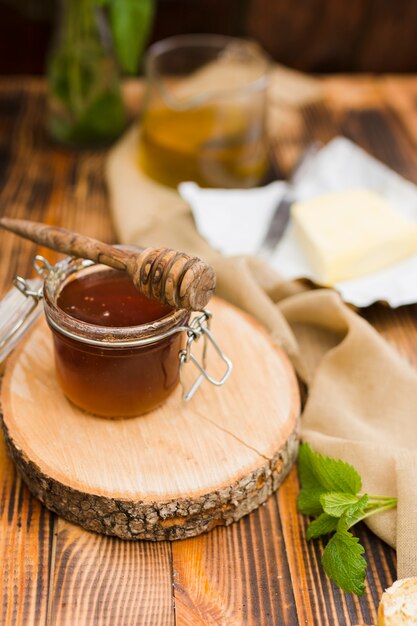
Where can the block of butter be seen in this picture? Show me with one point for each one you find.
(347, 234)
(398, 605)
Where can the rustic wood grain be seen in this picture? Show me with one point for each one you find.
(250, 584)
(321, 36)
(25, 537)
(259, 570)
(98, 581)
(26, 528)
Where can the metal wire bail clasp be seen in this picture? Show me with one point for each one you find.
(200, 327)
(17, 313)
(34, 288)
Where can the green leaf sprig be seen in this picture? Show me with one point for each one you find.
(330, 492)
(130, 23)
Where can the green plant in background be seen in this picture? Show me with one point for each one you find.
(96, 40)
(130, 21)
(330, 492)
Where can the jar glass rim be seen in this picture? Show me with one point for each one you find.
(188, 42)
(87, 332)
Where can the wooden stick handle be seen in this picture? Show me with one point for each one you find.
(173, 278)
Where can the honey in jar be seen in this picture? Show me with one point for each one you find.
(116, 351)
(204, 112)
(210, 145)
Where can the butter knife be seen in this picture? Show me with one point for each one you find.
(281, 214)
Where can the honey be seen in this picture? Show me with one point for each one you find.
(112, 354)
(109, 298)
(211, 145)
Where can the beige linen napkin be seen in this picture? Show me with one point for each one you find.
(362, 402)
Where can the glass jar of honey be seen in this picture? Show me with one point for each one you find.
(116, 351)
(204, 118)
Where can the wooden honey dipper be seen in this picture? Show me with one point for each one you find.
(173, 278)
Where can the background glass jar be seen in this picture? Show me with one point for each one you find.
(204, 115)
(112, 371)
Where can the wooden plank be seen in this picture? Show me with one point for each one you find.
(43, 182)
(398, 326)
(235, 575)
(401, 97)
(376, 36)
(99, 581)
(376, 113)
(25, 534)
(26, 527)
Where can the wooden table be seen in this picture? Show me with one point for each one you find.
(258, 571)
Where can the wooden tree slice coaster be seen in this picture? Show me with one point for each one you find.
(173, 473)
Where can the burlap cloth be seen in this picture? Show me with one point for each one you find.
(362, 397)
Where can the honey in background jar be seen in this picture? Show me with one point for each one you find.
(210, 145)
(204, 112)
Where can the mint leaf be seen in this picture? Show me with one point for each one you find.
(336, 504)
(309, 501)
(343, 562)
(130, 22)
(329, 491)
(306, 464)
(353, 514)
(323, 525)
(318, 470)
